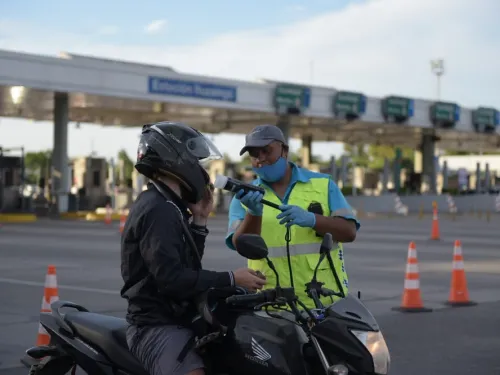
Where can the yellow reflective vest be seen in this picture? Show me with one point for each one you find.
(304, 245)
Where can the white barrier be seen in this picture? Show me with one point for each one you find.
(399, 207)
(452, 208)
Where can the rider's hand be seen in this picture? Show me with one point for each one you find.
(249, 279)
(203, 208)
(252, 201)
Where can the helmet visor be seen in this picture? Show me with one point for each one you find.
(203, 148)
(170, 147)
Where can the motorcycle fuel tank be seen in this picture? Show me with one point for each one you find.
(265, 346)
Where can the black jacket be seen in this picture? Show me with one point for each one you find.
(161, 275)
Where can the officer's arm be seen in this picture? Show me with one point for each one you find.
(341, 223)
(240, 222)
(161, 245)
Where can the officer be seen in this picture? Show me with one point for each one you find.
(162, 274)
(298, 191)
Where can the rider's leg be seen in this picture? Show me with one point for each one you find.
(158, 347)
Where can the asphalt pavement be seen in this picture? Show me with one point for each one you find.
(445, 341)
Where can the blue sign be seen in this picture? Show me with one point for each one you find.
(191, 89)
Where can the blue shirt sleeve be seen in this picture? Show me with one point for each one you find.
(338, 204)
(236, 215)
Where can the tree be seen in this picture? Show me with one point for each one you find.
(36, 164)
(373, 156)
(227, 158)
(128, 167)
(358, 154)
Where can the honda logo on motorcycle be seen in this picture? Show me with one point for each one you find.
(260, 355)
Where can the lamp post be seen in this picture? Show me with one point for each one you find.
(437, 68)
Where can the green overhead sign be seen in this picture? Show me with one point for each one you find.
(486, 117)
(398, 107)
(349, 104)
(291, 97)
(442, 112)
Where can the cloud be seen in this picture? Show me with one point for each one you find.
(378, 47)
(155, 26)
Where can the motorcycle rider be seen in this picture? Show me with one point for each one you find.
(161, 274)
(311, 205)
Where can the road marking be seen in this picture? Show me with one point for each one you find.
(67, 287)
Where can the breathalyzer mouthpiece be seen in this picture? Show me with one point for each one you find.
(220, 182)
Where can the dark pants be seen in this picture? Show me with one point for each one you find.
(157, 348)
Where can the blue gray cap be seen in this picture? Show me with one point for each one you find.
(263, 135)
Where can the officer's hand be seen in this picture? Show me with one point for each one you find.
(252, 200)
(249, 279)
(291, 215)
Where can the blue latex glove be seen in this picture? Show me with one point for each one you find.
(252, 201)
(294, 215)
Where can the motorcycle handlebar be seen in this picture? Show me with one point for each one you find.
(325, 292)
(249, 299)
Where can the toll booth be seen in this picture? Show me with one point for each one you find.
(10, 183)
(88, 183)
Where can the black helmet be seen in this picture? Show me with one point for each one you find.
(176, 149)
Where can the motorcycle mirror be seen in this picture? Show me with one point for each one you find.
(251, 246)
(326, 244)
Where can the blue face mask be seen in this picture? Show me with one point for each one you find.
(273, 172)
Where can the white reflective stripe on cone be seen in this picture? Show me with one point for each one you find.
(411, 268)
(46, 305)
(51, 281)
(412, 284)
(458, 265)
(412, 253)
(41, 330)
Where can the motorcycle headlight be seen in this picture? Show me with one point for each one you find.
(375, 343)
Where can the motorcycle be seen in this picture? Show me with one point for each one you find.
(245, 337)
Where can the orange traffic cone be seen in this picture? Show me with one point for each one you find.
(459, 293)
(123, 219)
(435, 223)
(412, 300)
(50, 295)
(107, 218)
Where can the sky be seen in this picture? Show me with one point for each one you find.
(378, 47)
